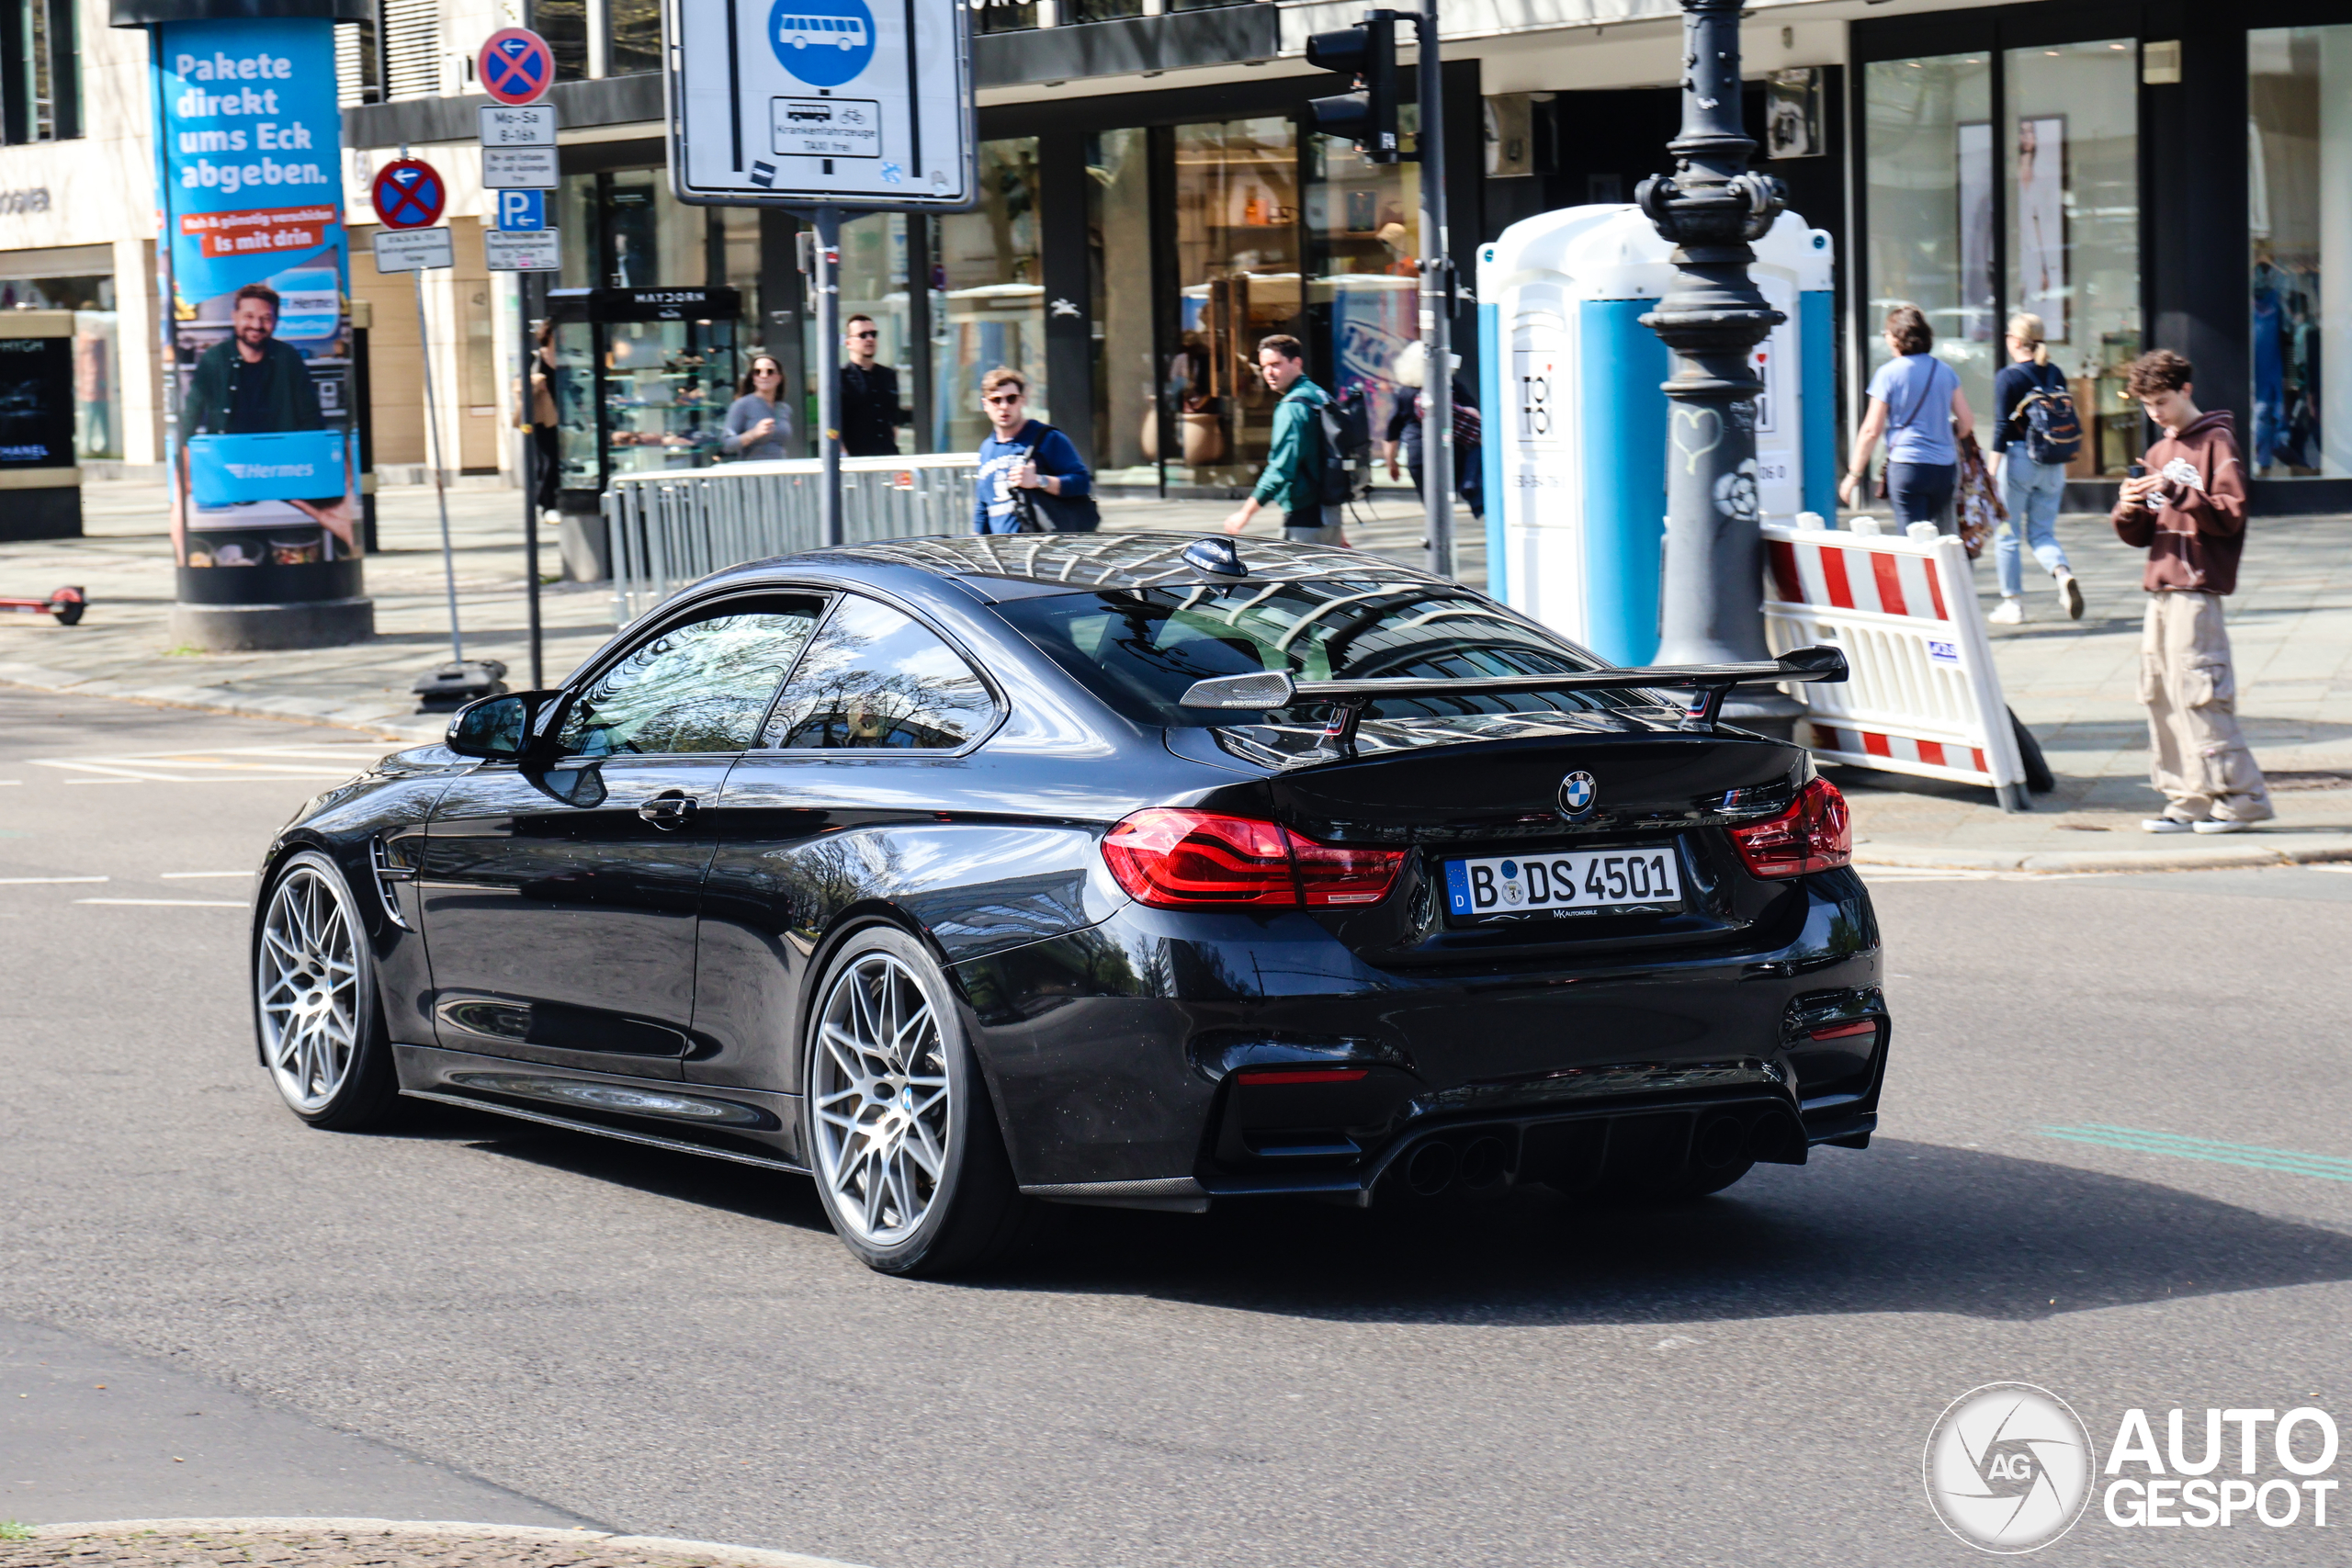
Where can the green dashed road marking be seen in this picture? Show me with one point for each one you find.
(2139, 1140)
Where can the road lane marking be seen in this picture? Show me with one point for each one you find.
(2327, 1167)
(37, 881)
(188, 875)
(172, 903)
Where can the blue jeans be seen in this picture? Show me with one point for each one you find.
(2031, 491)
(1921, 492)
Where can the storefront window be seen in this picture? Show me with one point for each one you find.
(2300, 226)
(653, 238)
(579, 218)
(1238, 280)
(1928, 183)
(2073, 142)
(873, 283)
(1127, 416)
(993, 293)
(1364, 223)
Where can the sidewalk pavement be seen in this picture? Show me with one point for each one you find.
(2073, 683)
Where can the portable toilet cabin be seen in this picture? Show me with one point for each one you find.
(1572, 401)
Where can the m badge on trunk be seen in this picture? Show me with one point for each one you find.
(1579, 795)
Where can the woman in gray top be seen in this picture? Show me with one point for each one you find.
(757, 425)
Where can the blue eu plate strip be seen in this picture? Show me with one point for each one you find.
(1457, 887)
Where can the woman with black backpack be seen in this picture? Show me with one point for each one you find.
(2035, 435)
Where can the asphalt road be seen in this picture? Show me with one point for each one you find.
(507, 1323)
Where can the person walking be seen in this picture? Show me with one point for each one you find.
(2031, 488)
(542, 417)
(758, 424)
(1917, 403)
(2186, 506)
(871, 412)
(1293, 477)
(1020, 455)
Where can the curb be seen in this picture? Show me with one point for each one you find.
(708, 1552)
(381, 726)
(2218, 858)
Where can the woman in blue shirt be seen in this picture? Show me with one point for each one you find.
(1917, 403)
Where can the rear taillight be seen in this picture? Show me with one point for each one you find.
(1814, 834)
(1192, 859)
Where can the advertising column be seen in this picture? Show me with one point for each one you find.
(264, 473)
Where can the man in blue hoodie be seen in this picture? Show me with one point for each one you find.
(1020, 455)
(1293, 479)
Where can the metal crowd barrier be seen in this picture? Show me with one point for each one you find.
(668, 529)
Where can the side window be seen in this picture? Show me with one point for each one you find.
(702, 686)
(874, 679)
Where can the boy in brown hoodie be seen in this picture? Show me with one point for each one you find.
(2189, 513)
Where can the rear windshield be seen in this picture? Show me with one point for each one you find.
(1139, 649)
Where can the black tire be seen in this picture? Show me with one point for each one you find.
(865, 1145)
(295, 1020)
(2037, 776)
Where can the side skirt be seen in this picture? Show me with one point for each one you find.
(651, 1140)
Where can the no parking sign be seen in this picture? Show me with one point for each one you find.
(408, 193)
(515, 66)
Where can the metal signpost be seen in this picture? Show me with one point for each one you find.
(822, 105)
(519, 165)
(408, 196)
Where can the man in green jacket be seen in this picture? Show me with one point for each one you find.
(251, 384)
(1293, 479)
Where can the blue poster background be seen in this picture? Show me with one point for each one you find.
(253, 145)
(251, 152)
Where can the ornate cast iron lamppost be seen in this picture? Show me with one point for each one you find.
(1712, 318)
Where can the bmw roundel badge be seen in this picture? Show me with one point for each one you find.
(1579, 795)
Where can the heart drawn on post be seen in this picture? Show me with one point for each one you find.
(1697, 418)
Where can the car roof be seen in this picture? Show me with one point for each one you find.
(990, 564)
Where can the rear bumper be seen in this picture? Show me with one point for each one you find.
(1141, 1059)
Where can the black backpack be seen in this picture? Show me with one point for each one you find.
(2053, 432)
(1043, 511)
(1346, 424)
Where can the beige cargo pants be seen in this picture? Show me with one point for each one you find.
(2196, 755)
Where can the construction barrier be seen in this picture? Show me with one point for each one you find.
(1923, 697)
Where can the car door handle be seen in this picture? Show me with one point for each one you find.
(670, 810)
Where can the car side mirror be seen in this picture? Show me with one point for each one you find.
(499, 728)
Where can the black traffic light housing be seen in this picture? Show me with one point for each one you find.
(1366, 52)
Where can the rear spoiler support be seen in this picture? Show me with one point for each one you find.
(1710, 684)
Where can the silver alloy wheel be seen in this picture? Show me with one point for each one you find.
(308, 976)
(881, 1094)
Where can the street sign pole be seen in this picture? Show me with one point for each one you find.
(433, 435)
(523, 292)
(826, 279)
(815, 109)
(1437, 302)
(408, 196)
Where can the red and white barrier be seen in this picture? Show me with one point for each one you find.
(1923, 696)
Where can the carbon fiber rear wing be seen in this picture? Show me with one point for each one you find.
(1711, 682)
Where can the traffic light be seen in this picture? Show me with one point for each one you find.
(1367, 52)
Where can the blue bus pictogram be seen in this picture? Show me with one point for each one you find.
(822, 42)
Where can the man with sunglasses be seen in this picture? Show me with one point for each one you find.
(1029, 471)
(871, 412)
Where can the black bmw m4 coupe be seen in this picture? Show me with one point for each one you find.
(968, 876)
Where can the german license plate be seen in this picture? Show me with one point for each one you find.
(1558, 886)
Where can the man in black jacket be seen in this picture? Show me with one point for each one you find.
(871, 412)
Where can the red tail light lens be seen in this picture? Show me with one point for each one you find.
(1814, 834)
(1192, 860)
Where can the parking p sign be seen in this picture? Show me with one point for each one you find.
(522, 211)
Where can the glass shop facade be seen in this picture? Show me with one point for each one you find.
(2138, 176)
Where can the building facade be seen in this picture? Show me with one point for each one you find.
(1153, 203)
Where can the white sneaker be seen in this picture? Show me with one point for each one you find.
(2072, 591)
(2220, 825)
(2009, 612)
(2168, 825)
